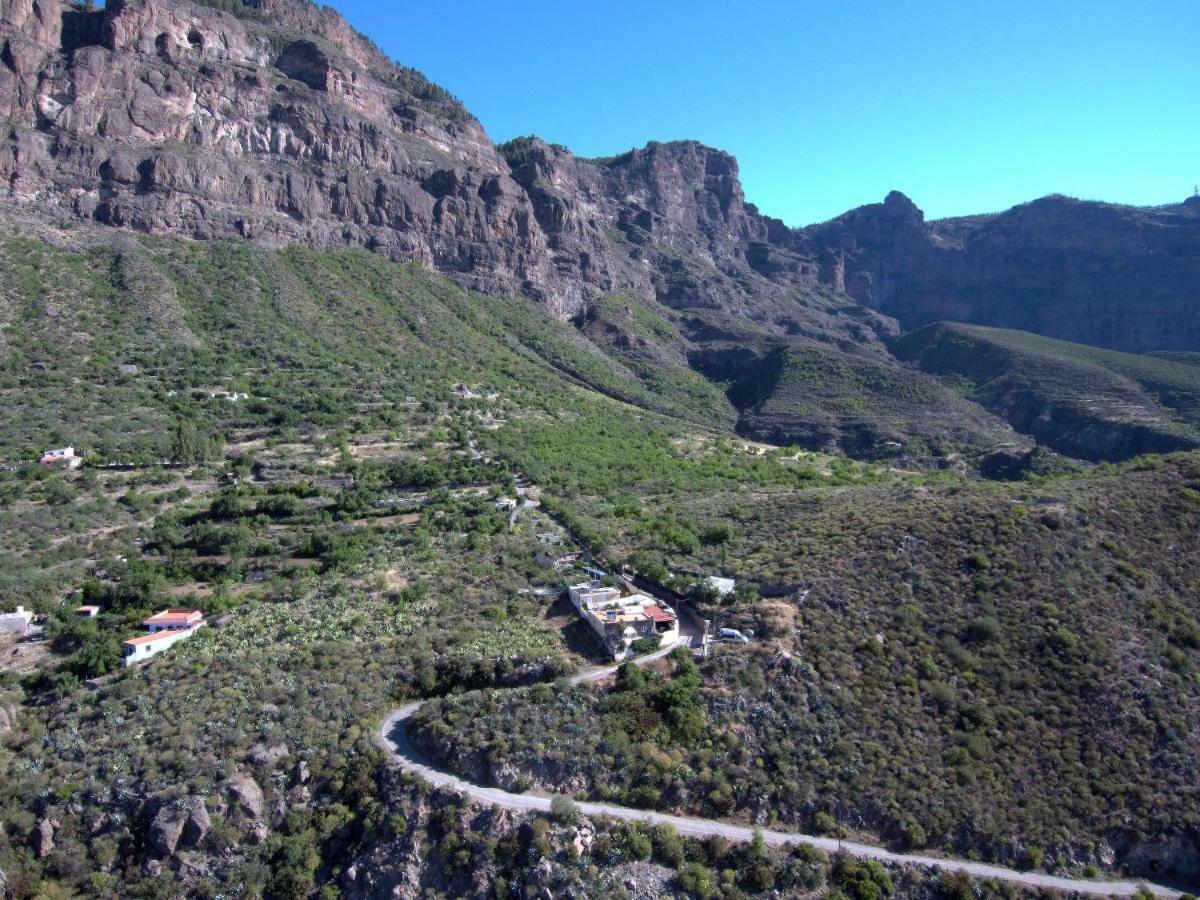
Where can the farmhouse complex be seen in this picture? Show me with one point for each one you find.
(621, 619)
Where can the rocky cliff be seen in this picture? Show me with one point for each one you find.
(283, 125)
(1094, 273)
(274, 120)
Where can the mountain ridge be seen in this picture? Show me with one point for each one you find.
(278, 123)
(283, 124)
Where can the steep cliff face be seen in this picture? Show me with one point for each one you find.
(670, 222)
(283, 125)
(169, 117)
(1093, 273)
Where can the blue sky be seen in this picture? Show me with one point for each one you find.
(967, 106)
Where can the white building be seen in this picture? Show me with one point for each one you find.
(141, 648)
(589, 594)
(62, 456)
(619, 621)
(16, 622)
(87, 612)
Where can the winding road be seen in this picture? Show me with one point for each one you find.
(393, 737)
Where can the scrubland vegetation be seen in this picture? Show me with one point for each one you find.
(1008, 671)
(1002, 671)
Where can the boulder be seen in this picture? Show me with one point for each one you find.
(178, 825)
(583, 836)
(246, 796)
(505, 776)
(300, 774)
(42, 838)
(262, 755)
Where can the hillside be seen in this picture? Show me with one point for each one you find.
(1081, 401)
(277, 438)
(862, 404)
(996, 670)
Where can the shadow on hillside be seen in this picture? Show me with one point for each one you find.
(579, 638)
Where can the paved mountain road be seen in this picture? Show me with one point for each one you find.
(393, 737)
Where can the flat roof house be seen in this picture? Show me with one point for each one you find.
(87, 612)
(173, 619)
(141, 648)
(589, 594)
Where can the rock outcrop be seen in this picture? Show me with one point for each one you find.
(178, 825)
(42, 839)
(8, 715)
(246, 797)
(262, 755)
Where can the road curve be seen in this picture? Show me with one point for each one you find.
(392, 736)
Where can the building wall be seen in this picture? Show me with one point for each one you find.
(16, 622)
(143, 652)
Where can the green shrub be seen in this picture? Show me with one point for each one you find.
(564, 810)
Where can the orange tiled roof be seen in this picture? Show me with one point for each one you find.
(658, 614)
(169, 616)
(151, 638)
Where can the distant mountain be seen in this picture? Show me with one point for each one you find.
(1122, 277)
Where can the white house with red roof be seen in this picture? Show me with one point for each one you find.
(165, 628)
(141, 648)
